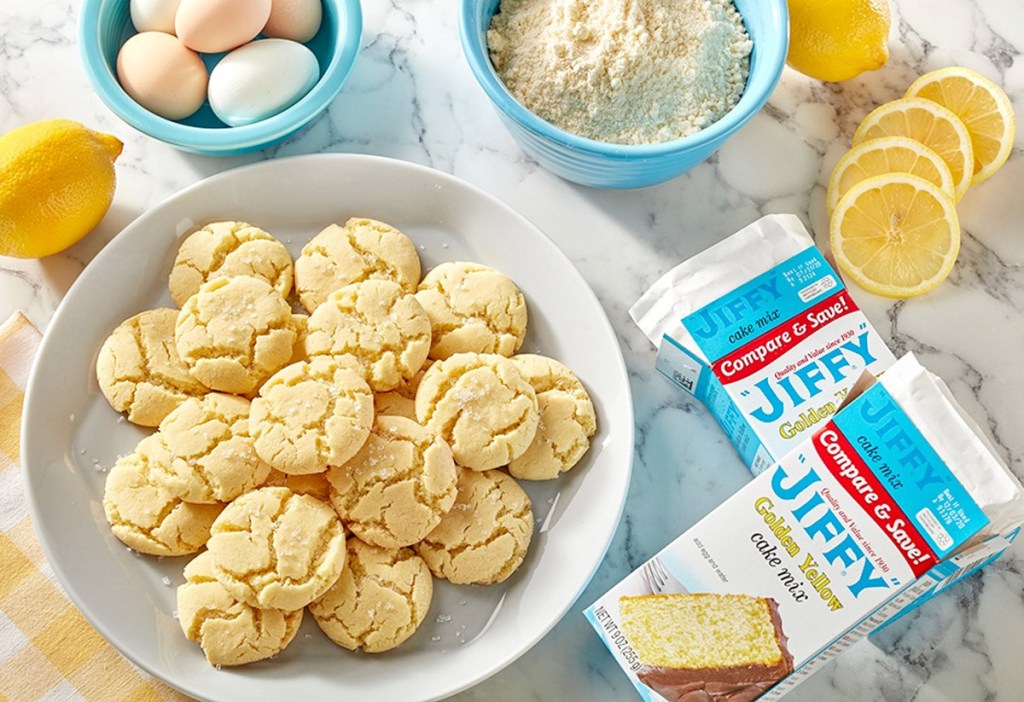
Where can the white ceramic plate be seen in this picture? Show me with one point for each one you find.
(70, 435)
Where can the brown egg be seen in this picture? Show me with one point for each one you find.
(213, 26)
(162, 74)
(298, 20)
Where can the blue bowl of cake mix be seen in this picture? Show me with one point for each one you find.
(606, 165)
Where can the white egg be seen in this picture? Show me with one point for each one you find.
(261, 79)
(154, 15)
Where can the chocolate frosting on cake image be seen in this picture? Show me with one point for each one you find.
(703, 647)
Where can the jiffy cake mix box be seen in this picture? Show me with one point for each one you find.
(883, 503)
(762, 330)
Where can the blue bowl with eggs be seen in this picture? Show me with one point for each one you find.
(606, 165)
(105, 25)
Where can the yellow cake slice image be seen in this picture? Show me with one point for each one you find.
(705, 646)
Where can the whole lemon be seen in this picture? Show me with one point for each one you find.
(56, 183)
(836, 40)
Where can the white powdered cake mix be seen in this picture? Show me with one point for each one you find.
(889, 501)
(622, 71)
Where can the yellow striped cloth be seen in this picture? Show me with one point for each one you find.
(48, 651)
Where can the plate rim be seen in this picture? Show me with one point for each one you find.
(33, 397)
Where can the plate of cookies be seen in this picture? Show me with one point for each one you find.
(335, 426)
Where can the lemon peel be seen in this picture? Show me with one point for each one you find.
(56, 183)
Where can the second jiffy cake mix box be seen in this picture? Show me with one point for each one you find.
(892, 497)
(761, 329)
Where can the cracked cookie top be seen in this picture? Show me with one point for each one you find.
(567, 419)
(384, 329)
(363, 249)
(472, 308)
(378, 602)
(234, 333)
(399, 485)
(484, 538)
(481, 405)
(224, 249)
(273, 548)
(230, 632)
(312, 414)
(139, 370)
(146, 516)
(204, 450)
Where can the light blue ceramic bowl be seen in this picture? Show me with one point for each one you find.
(603, 165)
(105, 25)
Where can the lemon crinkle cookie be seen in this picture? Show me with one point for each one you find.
(472, 308)
(234, 333)
(567, 419)
(146, 516)
(378, 602)
(361, 250)
(379, 325)
(399, 485)
(230, 632)
(485, 536)
(312, 414)
(139, 370)
(224, 249)
(204, 450)
(273, 548)
(481, 405)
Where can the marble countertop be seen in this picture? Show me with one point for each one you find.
(412, 97)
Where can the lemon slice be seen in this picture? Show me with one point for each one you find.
(983, 107)
(887, 155)
(896, 235)
(929, 123)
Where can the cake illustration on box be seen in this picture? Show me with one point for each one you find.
(706, 647)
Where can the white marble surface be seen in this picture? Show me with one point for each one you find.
(412, 97)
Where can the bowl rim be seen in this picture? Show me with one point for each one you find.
(345, 51)
(773, 62)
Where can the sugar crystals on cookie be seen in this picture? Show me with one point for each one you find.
(204, 450)
(149, 518)
(473, 309)
(485, 536)
(141, 374)
(379, 325)
(229, 631)
(567, 419)
(225, 249)
(481, 405)
(378, 602)
(234, 333)
(273, 548)
(312, 414)
(398, 487)
(363, 249)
